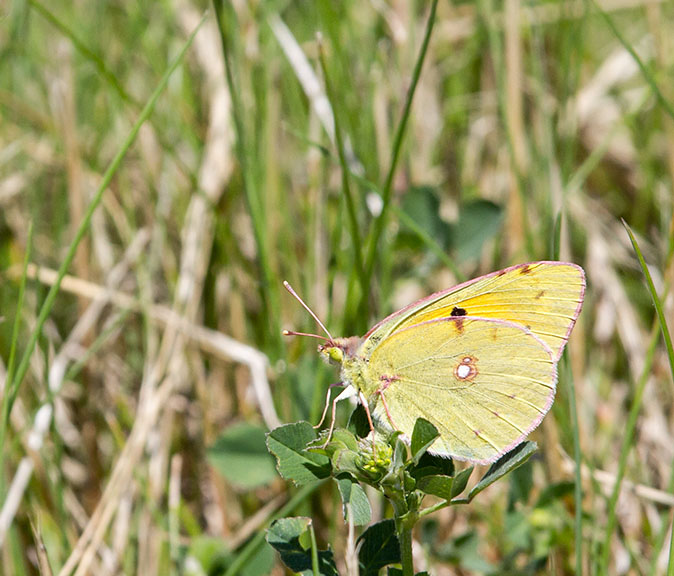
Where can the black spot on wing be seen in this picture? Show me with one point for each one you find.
(456, 311)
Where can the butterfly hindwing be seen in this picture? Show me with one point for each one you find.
(484, 383)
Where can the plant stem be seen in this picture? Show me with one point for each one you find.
(405, 520)
(436, 507)
(314, 552)
(405, 539)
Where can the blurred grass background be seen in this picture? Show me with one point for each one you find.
(135, 441)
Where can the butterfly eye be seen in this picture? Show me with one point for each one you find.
(336, 355)
(333, 354)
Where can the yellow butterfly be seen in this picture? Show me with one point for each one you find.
(479, 360)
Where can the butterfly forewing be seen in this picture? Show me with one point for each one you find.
(484, 383)
(543, 297)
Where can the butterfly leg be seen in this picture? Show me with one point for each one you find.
(386, 382)
(388, 414)
(369, 420)
(327, 403)
(348, 392)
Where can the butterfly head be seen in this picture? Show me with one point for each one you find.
(335, 350)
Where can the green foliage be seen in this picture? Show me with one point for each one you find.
(241, 456)
(261, 564)
(210, 553)
(423, 435)
(423, 227)
(445, 487)
(526, 534)
(404, 474)
(293, 539)
(421, 207)
(294, 462)
(464, 551)
(246, 147)
(479, 221)
(379, 547)
(513, 459)
(356, 506)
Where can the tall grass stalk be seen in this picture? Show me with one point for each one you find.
(228, 27)
(9, 392)
(387, 188)
(13, 388)
(496, 50)
(648, 76)
(575, 429)
(354, 226)
(631, 424)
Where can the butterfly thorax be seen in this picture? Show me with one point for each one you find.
(344, 352)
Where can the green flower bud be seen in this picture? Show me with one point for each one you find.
(374, 460)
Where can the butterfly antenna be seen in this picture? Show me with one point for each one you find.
(293, 333)
(289, 288)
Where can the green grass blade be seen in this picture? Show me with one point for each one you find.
(314, 551)
(107, 75)
(644, 70)
(19, 311)
(6, 406)
(227, 22)
(657, 302)
(636, 405)
(81, 47)
(86, 221)
(387, 189)
(578, 459)
(575, 430)
(346, 184)
(662, 534)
